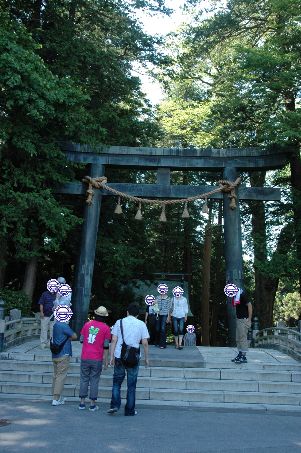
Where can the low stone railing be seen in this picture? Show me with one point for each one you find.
(282, 338)
(17, 331)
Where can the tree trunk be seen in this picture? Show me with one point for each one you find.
(217, 277)
(36, 22)
(265, 286)
(206, 285)
(30, 277)
(295, 166)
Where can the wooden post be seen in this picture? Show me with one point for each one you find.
(233, 250)
(84, 272)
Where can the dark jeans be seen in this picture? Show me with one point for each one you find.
(118, 377)
(178, 326)
(161, 329)
(151, 324)
(90, 371)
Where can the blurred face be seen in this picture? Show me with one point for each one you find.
(150, 299)
(178, 291)
(162, 289)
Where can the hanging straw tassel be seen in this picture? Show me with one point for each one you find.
(205, 208)
(185, 213)
(163, 215)
(118, 209)
(138, 216)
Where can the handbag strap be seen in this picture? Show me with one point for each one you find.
(121, 328)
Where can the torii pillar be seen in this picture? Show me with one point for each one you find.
(85, 266)
(233, 250)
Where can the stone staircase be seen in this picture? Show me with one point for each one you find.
(270, 381)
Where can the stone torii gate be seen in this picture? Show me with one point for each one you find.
(229, 161)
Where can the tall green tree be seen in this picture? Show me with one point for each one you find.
(244, 58)
(66, 74)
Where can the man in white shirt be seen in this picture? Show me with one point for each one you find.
(134, 332)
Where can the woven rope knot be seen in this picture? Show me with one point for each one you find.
(229, 187)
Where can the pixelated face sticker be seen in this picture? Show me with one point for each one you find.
(150, 299)
(162, 288)
(230, 290)
(63, 313)
(190, 328)
(52, 285)
(178, 291)
(64, 290)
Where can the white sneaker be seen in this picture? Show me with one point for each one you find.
(57, 402)
(63, 400)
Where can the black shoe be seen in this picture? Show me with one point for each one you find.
(243, 359)
(237, 358)
(113, 410)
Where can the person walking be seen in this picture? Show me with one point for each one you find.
(62, 335)
(46, 303)
(244, 312)
(164, 304)
(179, 313)
(134, 332)
(95, 336)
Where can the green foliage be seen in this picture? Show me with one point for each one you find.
(238, 70)
(15, 299)
(65, 74)
(287, 306)
(185, 123)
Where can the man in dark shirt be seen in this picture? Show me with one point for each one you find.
(243, 323)
(46, 311)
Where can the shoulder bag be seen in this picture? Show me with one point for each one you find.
(130, 356)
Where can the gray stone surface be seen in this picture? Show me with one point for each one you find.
(36, 426)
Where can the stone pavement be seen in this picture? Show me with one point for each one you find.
(36, 426)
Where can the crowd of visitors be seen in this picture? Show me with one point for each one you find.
(102, 346)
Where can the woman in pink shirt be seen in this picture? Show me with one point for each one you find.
(95, 336)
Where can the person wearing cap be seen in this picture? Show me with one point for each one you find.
(46, 303)
(95, 336)
(64, 299)
(134, 332)
(179, 313)
(63, 295)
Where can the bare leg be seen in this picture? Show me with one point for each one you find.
(177, 342)
(180, 341)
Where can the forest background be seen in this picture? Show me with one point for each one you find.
(231, 78)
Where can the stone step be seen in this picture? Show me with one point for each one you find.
(233, 373)
(167, 395)
(218, 364)
(225, 365)
(104, 404)
(162, 382)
